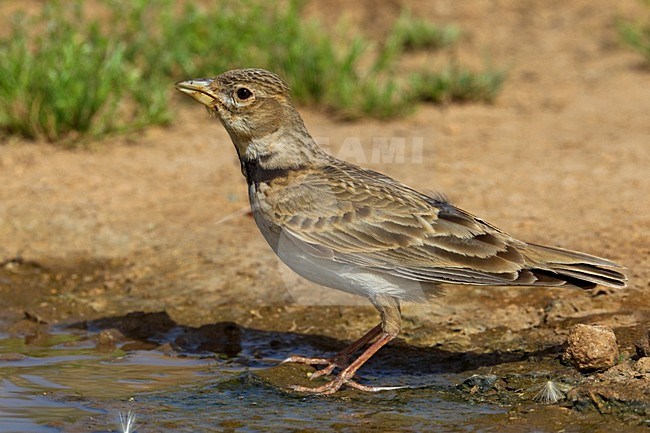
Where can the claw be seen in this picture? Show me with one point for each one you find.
(328, 388)
(331, 364)
(305, 360)
(336, 384)
(323, 371)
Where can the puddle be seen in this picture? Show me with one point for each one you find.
(62, 384)
(81, 378)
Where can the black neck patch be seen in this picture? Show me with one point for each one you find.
(256, 174)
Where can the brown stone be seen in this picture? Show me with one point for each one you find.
(107, 340)
(643, 365)
(591, 348)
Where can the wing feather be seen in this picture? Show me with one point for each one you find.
(364, 218)
(370, 220)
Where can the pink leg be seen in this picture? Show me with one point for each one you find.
(391, 323)
(345, 377)
(340, 359)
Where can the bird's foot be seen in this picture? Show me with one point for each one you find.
(346, 376)
(330, 364)
(338, 382)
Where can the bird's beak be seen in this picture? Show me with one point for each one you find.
(199, 89)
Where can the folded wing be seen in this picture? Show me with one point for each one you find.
(364, 218)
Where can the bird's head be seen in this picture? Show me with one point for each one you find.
(254, 106)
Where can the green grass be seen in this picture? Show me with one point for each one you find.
(82, 78)
(455, 84)
(637, 35)
(412, 33)
(73, 80)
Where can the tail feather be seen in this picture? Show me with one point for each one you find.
(557, 266)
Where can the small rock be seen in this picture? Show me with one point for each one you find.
(643, 344)
(643, 365)
(107, 340)
(139, 345)
(167, 349)
(223, 337)
(478, 382)
(591, 347)
(12, 356)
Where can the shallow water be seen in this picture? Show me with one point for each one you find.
(64, 380)
(62, 384)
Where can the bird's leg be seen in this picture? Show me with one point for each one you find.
(345, 376)
(340, 359)
(391, 323)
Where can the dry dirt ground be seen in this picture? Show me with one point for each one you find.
(562, 157)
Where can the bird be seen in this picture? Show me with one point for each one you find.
(362, 232)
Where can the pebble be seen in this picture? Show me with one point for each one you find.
(481, 382)
(643, 365)
(643, 345)
(107, 340)
(591, 348)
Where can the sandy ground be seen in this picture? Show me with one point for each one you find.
(562, 158)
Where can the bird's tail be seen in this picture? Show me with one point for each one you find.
(551, 266)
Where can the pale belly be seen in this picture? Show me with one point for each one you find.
(308, 263)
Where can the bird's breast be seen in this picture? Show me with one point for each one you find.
(260, 201)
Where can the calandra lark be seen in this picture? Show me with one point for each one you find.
(356, 230)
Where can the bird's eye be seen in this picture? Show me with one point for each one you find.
(244, 93)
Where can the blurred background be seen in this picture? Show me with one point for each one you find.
(78, 68)
(73, 69)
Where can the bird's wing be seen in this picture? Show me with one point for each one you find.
(367, 219)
